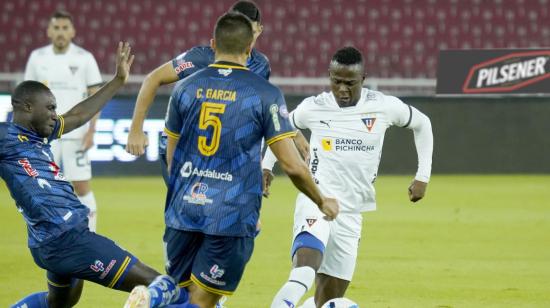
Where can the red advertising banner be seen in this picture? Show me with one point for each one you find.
(494, 72)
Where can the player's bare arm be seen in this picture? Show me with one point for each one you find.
(85, 110)
(297, 170)
(267, 178)
(302, 145)
(88, 139)
(137, 140)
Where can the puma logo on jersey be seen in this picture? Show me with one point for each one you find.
(325, 122)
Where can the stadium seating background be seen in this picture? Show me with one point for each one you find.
(400, 38)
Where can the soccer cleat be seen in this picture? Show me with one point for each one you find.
(139, 298)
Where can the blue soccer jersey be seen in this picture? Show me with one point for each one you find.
(46, 200)
(200, 57)
(220, 115)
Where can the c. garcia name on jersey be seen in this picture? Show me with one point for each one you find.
(345, 145)
(187, 170)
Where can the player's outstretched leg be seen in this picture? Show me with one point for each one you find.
(329, 287)
(307, 259)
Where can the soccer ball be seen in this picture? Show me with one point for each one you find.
(340, 303)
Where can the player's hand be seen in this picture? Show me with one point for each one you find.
(417, 190)
(137, 142)
(88, 141)
(330, 208)
(267, 178)
(124, 60)
(302, 145)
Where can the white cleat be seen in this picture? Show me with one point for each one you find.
(139, 298)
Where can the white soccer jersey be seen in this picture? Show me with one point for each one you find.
(68, 76)
(346, 144)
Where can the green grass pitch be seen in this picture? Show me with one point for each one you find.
(475, 241)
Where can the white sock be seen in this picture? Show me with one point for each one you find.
(299, 282)
(89, 201)
(309, 303)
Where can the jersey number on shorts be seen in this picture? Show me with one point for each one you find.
(209, 118)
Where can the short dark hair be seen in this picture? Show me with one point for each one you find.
(247, 8)
(60, 13)
(233, 33)
(25, 92)
(348, 56)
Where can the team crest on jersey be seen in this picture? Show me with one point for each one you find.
(225, 71)
(369, 123)
(327, 144)
(198, 194)
(73, 69)
(311, 221)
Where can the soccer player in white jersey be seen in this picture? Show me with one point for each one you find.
(347, 132)
(72, 74)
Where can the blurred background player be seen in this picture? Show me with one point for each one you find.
(347, 132)
(180, 67)
(57, 222)
(72, 74)
(215, 189)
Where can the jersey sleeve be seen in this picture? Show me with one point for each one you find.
(399, 113)
(174, 120)
(93, 76)
(276, 123)
(30, 73)
(298, 115)
(58, 129)
(189, 62)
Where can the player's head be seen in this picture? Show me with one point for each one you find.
(250, 10)
(233, 35)
(347, 73)
(34, 107)
(61, 29)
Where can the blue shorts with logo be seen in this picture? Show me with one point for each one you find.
(214, 263)
(81, 254)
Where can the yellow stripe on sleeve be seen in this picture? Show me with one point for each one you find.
(228, 66)
(281, 137)
(209, 289)
(171, 134)
(62, 126)
(120, 272)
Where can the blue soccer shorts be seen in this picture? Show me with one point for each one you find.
(82, 254)
(213, 263)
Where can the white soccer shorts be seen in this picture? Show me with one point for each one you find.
(74, 162)
(340, 236)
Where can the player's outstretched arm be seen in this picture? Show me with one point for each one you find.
(164, 74)
(85, 110)
(296, 169)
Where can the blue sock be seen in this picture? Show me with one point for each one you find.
(35, 300)
(164, 291)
